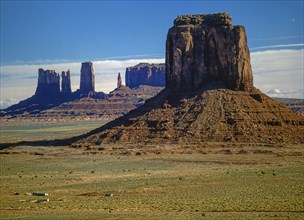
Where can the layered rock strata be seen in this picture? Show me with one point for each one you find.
(202, 49)
(87, 78)
(145, 74)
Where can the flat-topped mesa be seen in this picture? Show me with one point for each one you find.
(48, 85)
(87, 78)
(207, 49)
(145, 74)
(66, 83)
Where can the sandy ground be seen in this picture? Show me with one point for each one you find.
(166, 182)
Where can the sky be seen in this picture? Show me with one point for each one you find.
(116, 34)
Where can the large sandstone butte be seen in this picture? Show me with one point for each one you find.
(145, 74)
(207, 48)
(209, 95)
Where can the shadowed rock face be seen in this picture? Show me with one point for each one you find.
(119, 83)
(66, 83)
(87, 78)
(48, 86)
(145, 74)
(202, 49)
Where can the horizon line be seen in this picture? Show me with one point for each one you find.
(136, 56)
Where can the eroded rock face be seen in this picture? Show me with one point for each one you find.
(66, 83)
(87, 78)
(217, 115)
(48, 86)
(145, 74)
(207, 48)
(209, 95)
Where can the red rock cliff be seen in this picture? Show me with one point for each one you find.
(207, 48)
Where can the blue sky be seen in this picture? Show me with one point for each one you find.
(37, 31)
(56, 32)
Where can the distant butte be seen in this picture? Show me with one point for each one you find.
(145, 74)
(209, 95)
(52, 102)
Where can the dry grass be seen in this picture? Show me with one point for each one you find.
(211, 185)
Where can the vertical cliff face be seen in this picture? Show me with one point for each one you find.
(87, 78)
(202, 49)
(48, 86)
(66, 83)
(119, 82)
(145, 74)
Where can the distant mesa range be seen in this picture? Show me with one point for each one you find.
(53, 100)
(209, 95)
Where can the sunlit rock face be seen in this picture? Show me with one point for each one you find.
(207, 48)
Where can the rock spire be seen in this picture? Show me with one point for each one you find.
(66, 83)
(119, 82)
(87, 78)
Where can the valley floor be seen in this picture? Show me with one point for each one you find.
(217, 182)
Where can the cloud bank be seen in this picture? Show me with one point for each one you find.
(272, 69)
(279, 69)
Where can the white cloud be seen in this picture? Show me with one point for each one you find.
(7, 102)
(278, 69)
(292, 20)
(272, 69)
(286, 93)
(277, 46)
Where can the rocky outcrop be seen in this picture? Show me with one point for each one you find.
(66, 83)
(48, 86)
(217, 115)
(145, 74)
(87, 78)
(119, 82)
(209, 95)
(207, 48)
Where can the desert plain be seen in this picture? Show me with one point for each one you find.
(127, 181)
